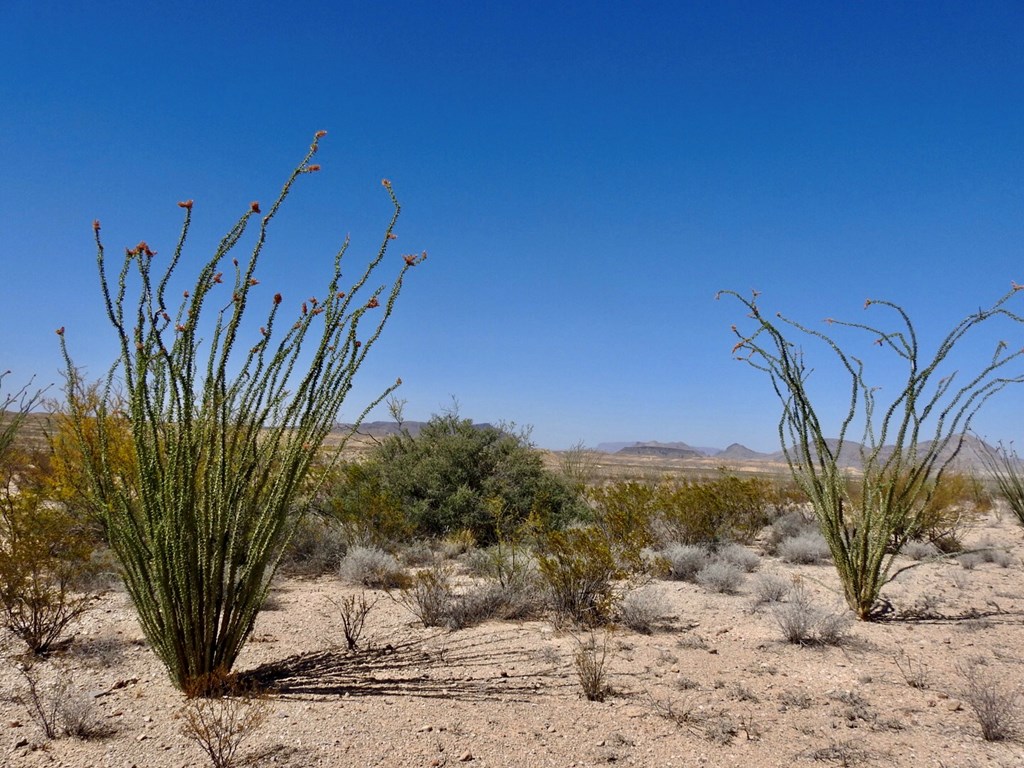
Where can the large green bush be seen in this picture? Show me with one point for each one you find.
(456, 476)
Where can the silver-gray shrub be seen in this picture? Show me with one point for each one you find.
(685, 561)
(227, 413)
(372, 567)
(721, 576)
(805, 549)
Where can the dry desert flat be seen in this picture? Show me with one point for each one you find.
(714, 685)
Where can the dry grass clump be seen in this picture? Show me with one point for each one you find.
(221, 726)
(591, 667)
(56, 707)
(721, 576)
(372, 567)
(804, 623)
(771, 588)
(995, 705)
(740, 556)
(809, 548)
(642, 609)
(685, 561)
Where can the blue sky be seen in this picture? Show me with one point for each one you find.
(584, 177)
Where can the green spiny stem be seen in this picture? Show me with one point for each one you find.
(221, 457)
(899, 469)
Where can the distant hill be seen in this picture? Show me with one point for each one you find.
(739, 452)
(970, 459)
(663, 450)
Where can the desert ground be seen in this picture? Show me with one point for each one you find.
(715, 684)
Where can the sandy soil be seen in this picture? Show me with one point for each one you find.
(715, 686)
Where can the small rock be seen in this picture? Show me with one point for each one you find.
(19, 743)
(142, 737)
(465, 757)
(953, 706)
(13, 724)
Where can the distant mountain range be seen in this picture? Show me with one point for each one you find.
(970, 458)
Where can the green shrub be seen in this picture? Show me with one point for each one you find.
(46, 555)
(455, 476)
(579, 568)
(717, 510)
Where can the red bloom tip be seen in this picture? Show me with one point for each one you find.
(179, 327)
(733, 327)
(277, 298)
(318, 310)
(186, 204)
(254, 206)
(1016, 286)
(95, 225)
(253, 281)
(313, 301)
(219, 277)
(234, 297)
(392, 236)
(320, 134)
(60, 331)
(304, 309)
(386, 183)
(358, 344)
(312, 168)
(263, 331)
(879, 342)
(867, 303)
(829, 320)
(235, 262)
(185, 294)
(398, 381)
(410, 260)
(341, 294)
(372, 303)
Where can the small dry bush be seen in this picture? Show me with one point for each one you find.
(591, 659)
(787, 526)
(771, 588)
(372, 567)
(804, 623)
(806, 549)
(914, 671)
(429, 595)
(317, 547)
(920, 550)
(996, 706)
(56, 707)
(685, 561)
(721, 576)
(955, 502)
(740, 556)
(221, 726)
(642, 609)
(353, 610)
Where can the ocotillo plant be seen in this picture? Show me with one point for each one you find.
(906, 444)
(1005, 467)
(223, 437)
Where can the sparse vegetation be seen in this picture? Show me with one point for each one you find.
(995, 704)
(591, 660)
(804, 623)
(221, 726)
(372, 567)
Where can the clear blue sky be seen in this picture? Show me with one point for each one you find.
(584, 176)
